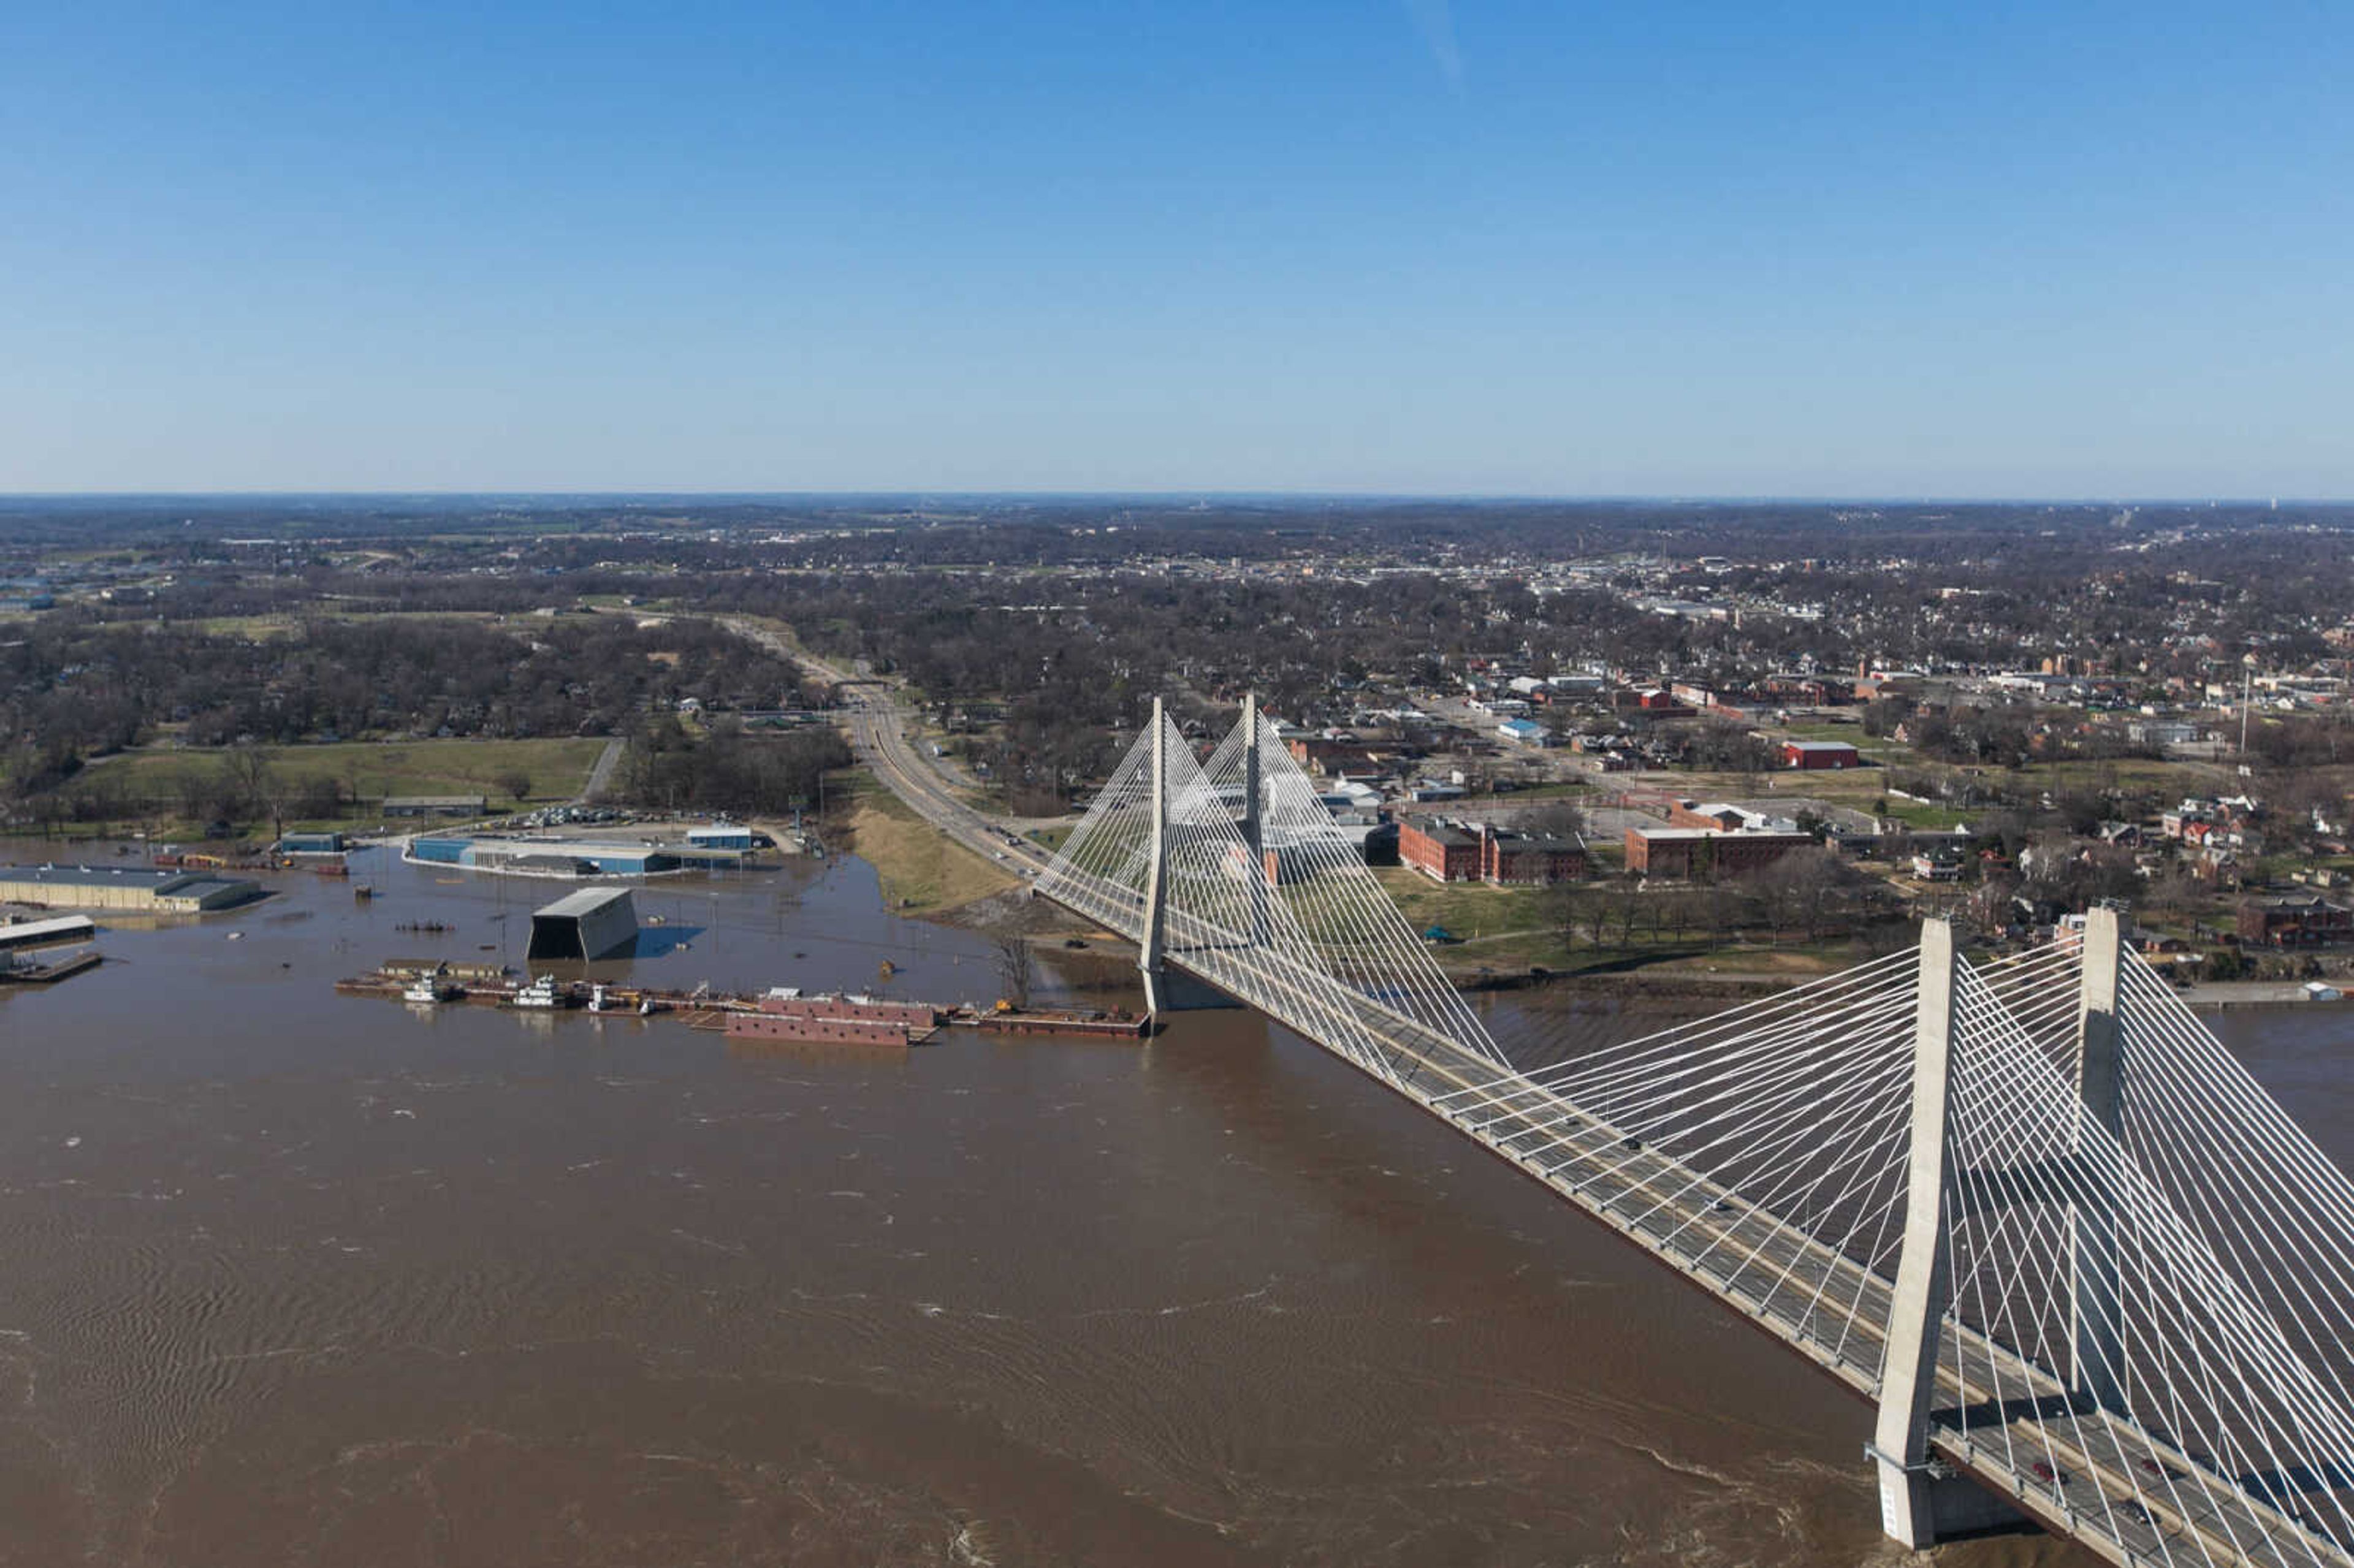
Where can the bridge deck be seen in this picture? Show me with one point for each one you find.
(1815, 1299)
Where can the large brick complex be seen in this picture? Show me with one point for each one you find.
(1474, 852)
(1707, 852)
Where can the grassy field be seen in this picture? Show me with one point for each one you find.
(1877, 748)
(921, 869)
(1466, 909)
(259, 628)
(1512, 928)
(1922, 814)
(1502, 927)
(556, 766)
(1859, 789)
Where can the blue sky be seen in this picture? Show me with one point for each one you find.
(1382, 246)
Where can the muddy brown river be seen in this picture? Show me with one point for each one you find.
(291, 1278)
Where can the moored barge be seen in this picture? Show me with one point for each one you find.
(837, 1019)
(1113, 1023)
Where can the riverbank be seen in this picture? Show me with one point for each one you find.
(922, 870)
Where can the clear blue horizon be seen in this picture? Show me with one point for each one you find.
(1389, 247)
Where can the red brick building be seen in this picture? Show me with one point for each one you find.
(1474, 852)
(1438, 849)
(1529, 860)
(1819, 754)
(1690, 852)
(1328, 756)
(2294, 922)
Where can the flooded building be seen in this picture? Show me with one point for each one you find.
(594, 923)
(127, 887)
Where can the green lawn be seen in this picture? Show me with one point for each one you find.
(1470, 910)
(1923, 814)
(259, 628)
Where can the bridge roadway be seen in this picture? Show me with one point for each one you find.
(1789, 1284)
(1780, 1277)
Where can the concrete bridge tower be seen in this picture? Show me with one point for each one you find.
(1151, 953)
(1918, 1504)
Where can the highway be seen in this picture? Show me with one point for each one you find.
(878, 738)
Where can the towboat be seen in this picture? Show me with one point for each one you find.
(540, 994)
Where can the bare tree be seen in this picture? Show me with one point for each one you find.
(249, 777)
(1560, 817)
(1812, 888)
(1017, 968)
(1630, 906)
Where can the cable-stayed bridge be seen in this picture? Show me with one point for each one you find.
(2084, 1267)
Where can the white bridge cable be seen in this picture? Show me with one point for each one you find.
(2048, 1012)
(1212, 913)
(1103, 870)
(2018, 1249)
(1321, 874)
(2290, 1212)
(1799, 1122)
(1251, 937)
(2043, 1109)
(2270, 1208)
(1617, 1084)
(2202, 1147)
(2019, 1246)
(1645, 1104)
(2212, 1370)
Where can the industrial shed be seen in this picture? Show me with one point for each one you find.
(135, 888)
(594, 923)
(46, 933)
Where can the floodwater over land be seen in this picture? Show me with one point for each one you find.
(293, 1278)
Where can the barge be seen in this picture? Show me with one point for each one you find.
(781, 1014)
(16, 971)
(1095, 1023)
(838, 1018)
(810, 1031)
